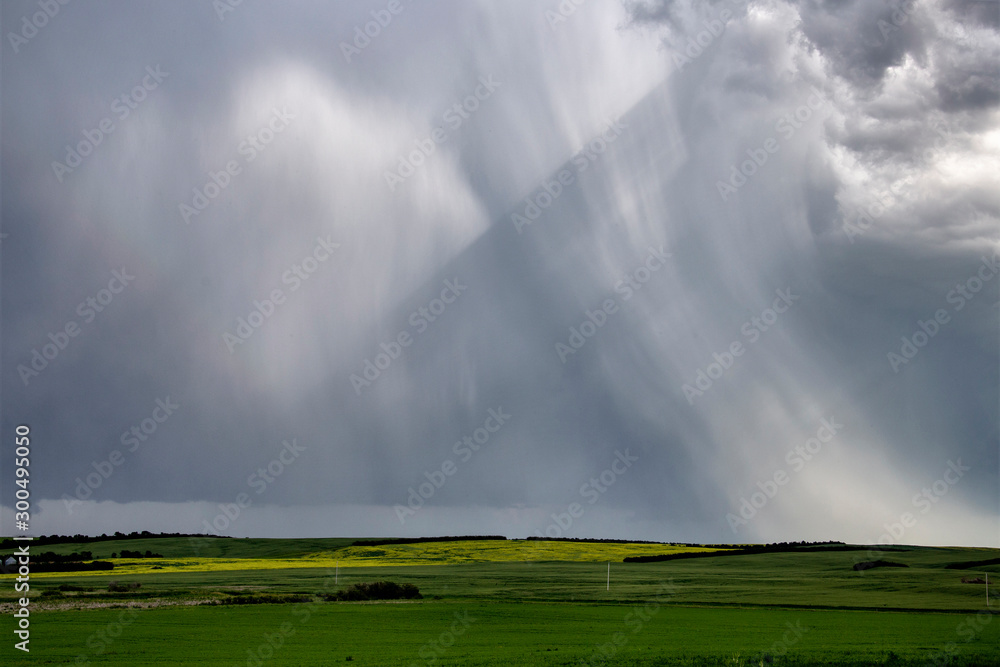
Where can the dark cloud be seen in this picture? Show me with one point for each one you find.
(552, 193)
(985, 12)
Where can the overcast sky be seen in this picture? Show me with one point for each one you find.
(653, 269)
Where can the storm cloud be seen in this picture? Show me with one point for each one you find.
(410, 268)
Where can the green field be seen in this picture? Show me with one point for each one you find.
(808, 608)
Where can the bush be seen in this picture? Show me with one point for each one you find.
(267, 598)
(869, 564)
(376, 590)
(138, 554)
(115, 587)
(72, 587)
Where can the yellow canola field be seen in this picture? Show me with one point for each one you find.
(423, 553)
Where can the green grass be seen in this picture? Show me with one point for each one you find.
(815, 580)
(720, 610)
(504, 634)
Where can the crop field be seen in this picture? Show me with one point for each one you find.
(513, 602)
(396, 555)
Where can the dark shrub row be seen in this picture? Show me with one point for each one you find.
(136, 554)
(779, 547)
(115, 587)
(869, 564)
(376, 590)
(134, 535)
(266, 598)
(972, 563)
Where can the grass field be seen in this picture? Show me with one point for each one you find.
(514, 603)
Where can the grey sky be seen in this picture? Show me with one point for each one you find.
(697, 169)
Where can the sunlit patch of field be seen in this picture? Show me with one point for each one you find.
(424, 553)
(495, 551)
